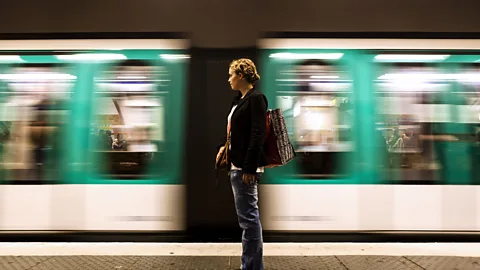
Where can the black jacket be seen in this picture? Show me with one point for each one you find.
(247, 130)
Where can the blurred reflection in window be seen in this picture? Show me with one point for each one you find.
(34, 111)
(468, 110)
(128, 132)
(412, 106)
(315, 97)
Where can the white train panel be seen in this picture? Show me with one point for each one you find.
(459, 209)
(369, 44)
(417, 207)
(94, 44)
(375, 206)
(135, 207)
(477, 205)
(283, 207)
(69, 207)
(26, 207)
(309, 207)
(370, 207)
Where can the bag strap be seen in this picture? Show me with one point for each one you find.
(217, 170)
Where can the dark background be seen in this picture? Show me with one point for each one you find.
(228, 23)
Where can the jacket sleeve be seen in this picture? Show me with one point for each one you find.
(258, 111)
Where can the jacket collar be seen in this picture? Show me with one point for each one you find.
(239, 100)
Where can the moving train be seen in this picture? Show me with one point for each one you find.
(386, 132)
(84, 134)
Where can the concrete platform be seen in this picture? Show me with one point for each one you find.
(233, 262)
(222, 256)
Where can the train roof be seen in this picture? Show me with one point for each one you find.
(371, 43)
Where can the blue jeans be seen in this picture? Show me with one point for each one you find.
(246, 199)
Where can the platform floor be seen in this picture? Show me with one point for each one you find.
(233, 262)
(222, 256)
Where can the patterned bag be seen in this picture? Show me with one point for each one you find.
(277, 148)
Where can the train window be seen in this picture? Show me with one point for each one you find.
(411, 107)
(128, 128)
(316, 99)
(34, 110)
